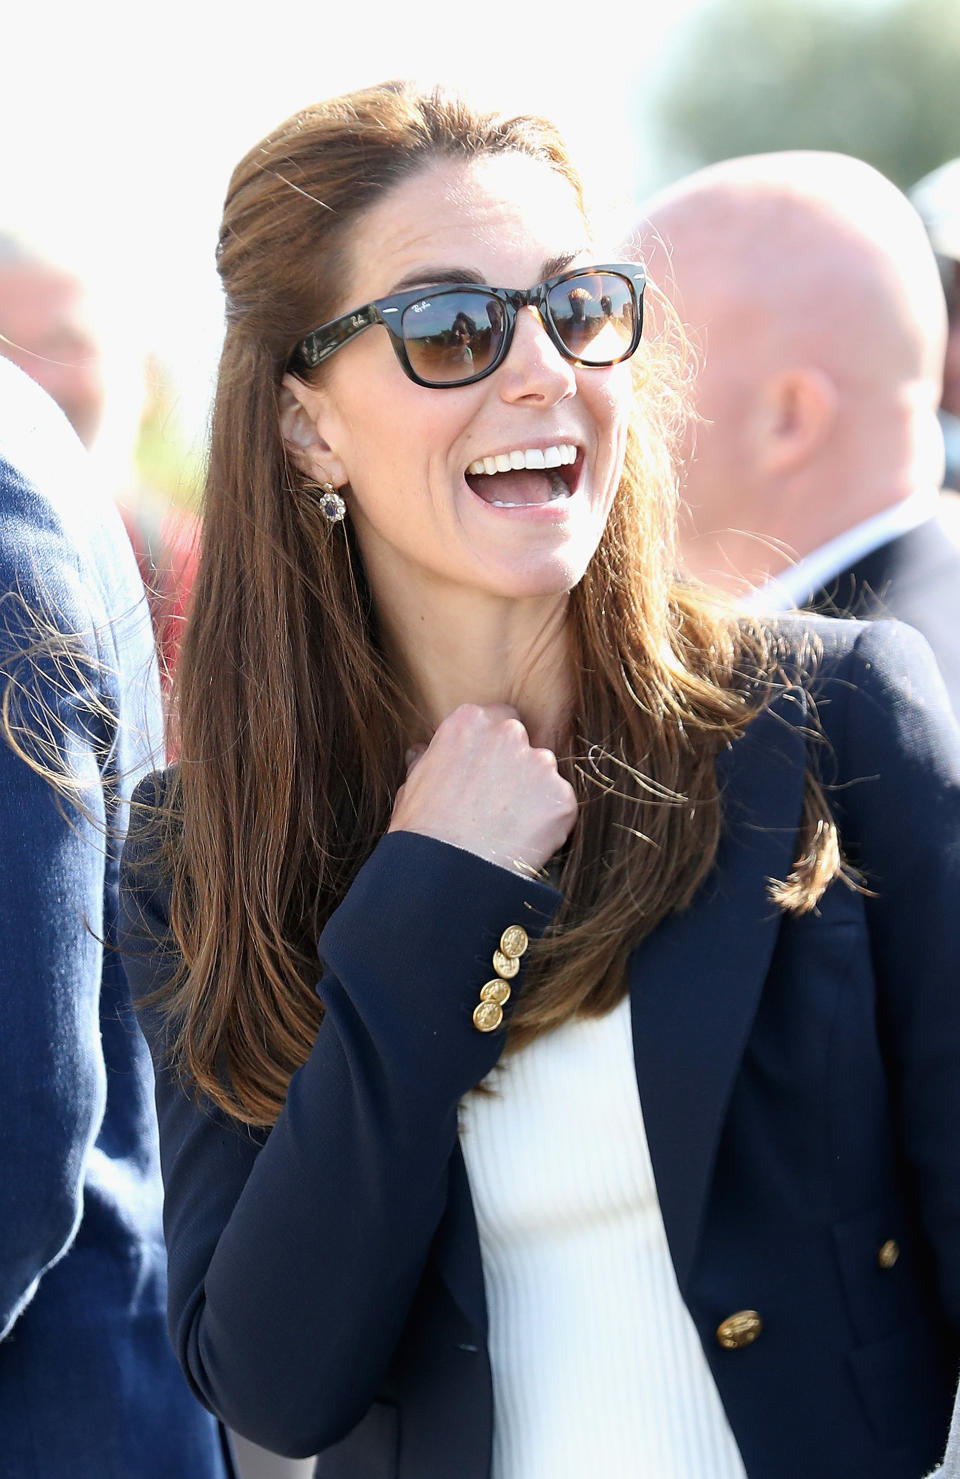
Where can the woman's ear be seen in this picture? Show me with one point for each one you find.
(300, 415)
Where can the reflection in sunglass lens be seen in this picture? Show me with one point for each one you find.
(451, 336)
(594, 316)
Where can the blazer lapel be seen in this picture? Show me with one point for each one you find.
(696, 982)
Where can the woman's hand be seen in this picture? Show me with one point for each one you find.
(481, 786)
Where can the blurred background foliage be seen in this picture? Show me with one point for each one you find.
(168, 465)
(756, 75)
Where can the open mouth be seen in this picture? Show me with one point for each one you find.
(525, 477)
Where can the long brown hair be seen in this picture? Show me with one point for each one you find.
(290, 736)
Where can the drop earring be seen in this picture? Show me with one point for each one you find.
(332, 506)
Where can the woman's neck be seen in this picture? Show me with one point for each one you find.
(473, 648)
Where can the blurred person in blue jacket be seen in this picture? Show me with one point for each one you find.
(89, 1388)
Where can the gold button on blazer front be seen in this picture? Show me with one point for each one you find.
(739, 1330)
(888, 1253)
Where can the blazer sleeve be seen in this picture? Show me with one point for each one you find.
(899, 806)
(295, 1255)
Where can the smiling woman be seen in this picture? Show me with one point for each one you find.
(426, 535)
(557, 820)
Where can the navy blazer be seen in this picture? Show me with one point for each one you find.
(89, 1387)
(800, 1084)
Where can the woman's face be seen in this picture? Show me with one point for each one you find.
(421, 518)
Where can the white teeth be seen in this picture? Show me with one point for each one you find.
(534, 458)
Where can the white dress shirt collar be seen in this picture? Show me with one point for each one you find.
(794, 586)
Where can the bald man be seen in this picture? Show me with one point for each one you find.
(813, 299)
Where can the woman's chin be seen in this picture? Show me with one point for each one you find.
(540, 579)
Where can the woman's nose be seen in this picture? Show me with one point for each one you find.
(534, 367)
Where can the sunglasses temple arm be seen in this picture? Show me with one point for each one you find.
(319, 345)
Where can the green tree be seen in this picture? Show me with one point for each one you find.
(755, 75)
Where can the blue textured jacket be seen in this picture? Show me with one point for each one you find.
(800, 1084)
(89, 1387)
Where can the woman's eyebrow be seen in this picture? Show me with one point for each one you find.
(428, 277)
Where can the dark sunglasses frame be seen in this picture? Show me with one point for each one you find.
(321, 343)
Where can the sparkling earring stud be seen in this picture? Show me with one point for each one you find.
(332, 505)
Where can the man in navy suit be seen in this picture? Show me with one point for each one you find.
(89, 1388)
(813, 297)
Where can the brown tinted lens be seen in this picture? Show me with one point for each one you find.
(594, 315)
(450, 336)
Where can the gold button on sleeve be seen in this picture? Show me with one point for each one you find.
(506, 966)
(497, 991)
(487, 1016)
(888, 1253)
(514, 940)
(739, 1330)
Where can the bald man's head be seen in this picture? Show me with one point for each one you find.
(811, 292)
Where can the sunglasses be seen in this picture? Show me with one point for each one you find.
(456, 334)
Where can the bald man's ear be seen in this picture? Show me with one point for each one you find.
(799, 411)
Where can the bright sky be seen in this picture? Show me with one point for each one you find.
(122, 121)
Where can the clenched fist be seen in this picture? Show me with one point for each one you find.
(481, 786)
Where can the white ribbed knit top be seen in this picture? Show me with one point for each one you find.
(597, 1367)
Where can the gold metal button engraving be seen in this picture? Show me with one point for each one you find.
(487, 1016)
(505, 965)
(514, 940)
(888, 1253)
(497, 991)
(739, 1330)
